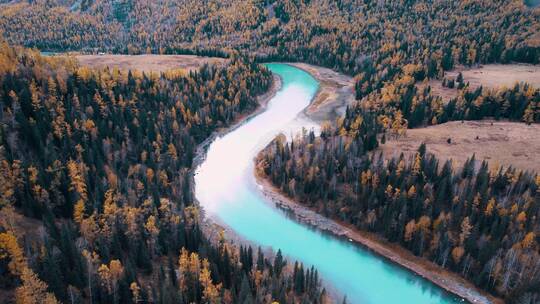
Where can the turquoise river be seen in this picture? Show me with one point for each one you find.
(226, 188)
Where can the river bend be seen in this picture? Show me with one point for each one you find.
(226, 188)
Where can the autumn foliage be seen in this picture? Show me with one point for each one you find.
(103, 159)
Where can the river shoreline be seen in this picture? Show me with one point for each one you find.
(212, 226)
(432, 272)
(445, 279)
(335, 92)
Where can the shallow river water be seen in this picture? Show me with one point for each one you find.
(226, 188)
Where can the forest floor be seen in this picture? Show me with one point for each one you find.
(443, 278)
(500, 143)
(336, 91)
(148, 63)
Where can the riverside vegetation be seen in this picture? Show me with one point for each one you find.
(479, 223)
(103, 155)
(103, 158)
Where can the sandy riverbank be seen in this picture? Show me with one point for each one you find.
(336, 91)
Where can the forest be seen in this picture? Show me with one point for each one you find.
(469, 220)
(102, 157)
(345, 35)
(480, 223)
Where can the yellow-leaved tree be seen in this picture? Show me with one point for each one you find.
(32, 289)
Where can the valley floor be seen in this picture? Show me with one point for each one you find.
(499, 75)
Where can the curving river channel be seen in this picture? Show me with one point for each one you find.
(226, 188)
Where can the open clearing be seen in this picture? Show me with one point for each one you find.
(499, 75)
(492, 76)
(148, 63)
(500, 143)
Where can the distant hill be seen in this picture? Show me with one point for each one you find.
(337, 34)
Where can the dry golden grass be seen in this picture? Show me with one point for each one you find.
(499, 75)
(491, 76)
(148, 63)
(500, 143)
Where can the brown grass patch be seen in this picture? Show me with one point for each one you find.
(499, 75)
(501, 143)
(148, 63)
(493, 76)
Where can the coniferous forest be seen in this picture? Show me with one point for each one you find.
(98, 162)
(102, 158)
(480, 223)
